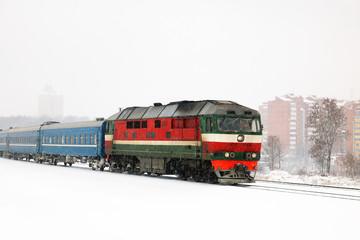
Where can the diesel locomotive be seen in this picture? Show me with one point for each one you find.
(212, 141)
(208, 141)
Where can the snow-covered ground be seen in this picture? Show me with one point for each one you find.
(284, 176)
(40, 201)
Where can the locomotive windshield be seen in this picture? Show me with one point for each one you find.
(239, 125)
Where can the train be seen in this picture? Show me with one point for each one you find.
(207, 141)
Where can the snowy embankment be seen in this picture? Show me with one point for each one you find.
(283, 176)
(41, 201)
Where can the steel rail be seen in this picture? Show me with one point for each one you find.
(310, 185)
(303, 192)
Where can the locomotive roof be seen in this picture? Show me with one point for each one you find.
(184, 109)
(72, 125)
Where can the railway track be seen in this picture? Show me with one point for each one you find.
(337, 192)
(311, 185)
(346, 193)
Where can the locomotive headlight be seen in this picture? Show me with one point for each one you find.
(253, 155)
(240, 138)
(227, 154)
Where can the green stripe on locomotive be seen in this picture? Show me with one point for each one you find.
(158, 151)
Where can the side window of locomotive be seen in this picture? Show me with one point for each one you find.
(129, 124)
(177, 123)
(209, 125)
(107, 129)
(256, 125)
(189, 123)
(136, 124)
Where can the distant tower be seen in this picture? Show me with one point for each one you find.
(50, 103)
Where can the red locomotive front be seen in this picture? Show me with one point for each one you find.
(233, 144)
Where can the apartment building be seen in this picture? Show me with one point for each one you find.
(353, 127)
(286, 116)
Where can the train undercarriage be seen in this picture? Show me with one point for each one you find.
(42, 158)
(198, 170)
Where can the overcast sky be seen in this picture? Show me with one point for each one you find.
(102, 55)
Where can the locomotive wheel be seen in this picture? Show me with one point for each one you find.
(130, 170)
(112, 167)
(102, 168)
(65, 164)
(212, 178)
(55, 162)
(137, 171)
(70, 164)
(183, 175)
(197, 177)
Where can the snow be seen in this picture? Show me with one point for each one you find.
(40, 201)
(280, 175)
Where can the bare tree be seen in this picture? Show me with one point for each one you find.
(274, 152)
(350, 165)
(328, 123)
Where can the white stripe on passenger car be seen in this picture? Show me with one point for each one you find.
(67, 145)
(22, 145)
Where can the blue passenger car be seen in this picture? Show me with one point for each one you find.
(67, 142)
(3, 142)
(23, 142)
